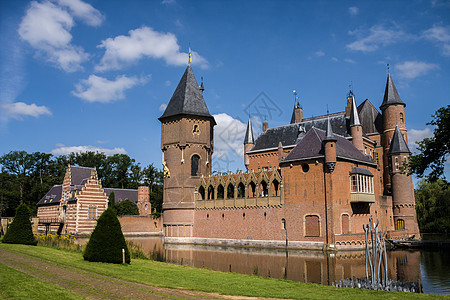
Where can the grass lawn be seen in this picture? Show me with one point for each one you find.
(15, 284)
(160, 274)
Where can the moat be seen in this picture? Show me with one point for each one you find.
(430, 268)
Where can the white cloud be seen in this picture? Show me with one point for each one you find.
(334, 59)
(99, 89)
(168, 2)
(64, 150)
(46, 27)
(416, 135)
(144, 42)
(350, 61)
(413, 69)
(439, 35)
(377, 36)
(162, 107)
(19, 110)
(319, 53)
(167, 83)
(229, 135)
(353, 10)
(84, 11)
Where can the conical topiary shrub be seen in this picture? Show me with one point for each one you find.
(107, 240)
(20, 232)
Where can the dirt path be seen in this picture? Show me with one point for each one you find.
(95, 286)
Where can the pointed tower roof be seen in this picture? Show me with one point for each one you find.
(187, 98)
(354, 117)
(249, 139)
(329, 136)
(390, 94)
(398, 144)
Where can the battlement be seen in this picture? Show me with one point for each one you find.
(252, 189)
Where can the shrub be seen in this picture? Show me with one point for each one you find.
(107, 240)
(127, 208)
(20, 232)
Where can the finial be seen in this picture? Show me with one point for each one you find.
(295, 98)
(202, 87)
(190, 57)
(388, 68)
(328, 112)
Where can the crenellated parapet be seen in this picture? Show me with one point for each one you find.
(251, 189)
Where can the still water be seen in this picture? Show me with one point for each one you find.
(431, 268)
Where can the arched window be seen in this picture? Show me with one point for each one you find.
(264, 190)
(201, 191)
(210, 192)
(402, 118)
(230, 191)
(241, 190)
(252, 190)
(275, 185)
(194, 164)
(312, 225)
(400, 224)
(220, 192)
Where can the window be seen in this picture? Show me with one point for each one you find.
(361, 184)
(201, 191)
(241, 190)
(275, 185)
(252, 190)
(210, 192)
(230, 191)
(264, 190)
(400, 224)
(92, 212)
(402, 118)
(194, 164)
(220, 192)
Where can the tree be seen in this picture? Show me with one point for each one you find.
(127, 208)
(112, 200)
(433, 206)
(153, 178)
(20, 232)
(434, 150)
(107, 240)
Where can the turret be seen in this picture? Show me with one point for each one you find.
(403, 201)
(356, 127)
(297, 113)
(329, 143)
(249, 142)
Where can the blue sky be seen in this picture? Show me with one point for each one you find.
(96, 75)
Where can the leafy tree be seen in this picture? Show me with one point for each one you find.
(20, 232)
(127, 208)
(107, 240)
(433, 206)
(434, 150)
(112, 200)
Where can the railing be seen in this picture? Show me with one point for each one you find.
(50, 221)
(239, 202)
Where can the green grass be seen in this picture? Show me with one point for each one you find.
(174, 276)
(15, 284)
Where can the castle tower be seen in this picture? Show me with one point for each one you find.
(403, 202)
(187, 147)
(393, 112)
(249, 142)
(330, 149)
(297, 113)
(356, 127)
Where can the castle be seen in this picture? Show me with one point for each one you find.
(310, 184)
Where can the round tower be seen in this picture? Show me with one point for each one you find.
(187, 147)
(356, 127)
(393, 112)
(403, 201)
(330, 149)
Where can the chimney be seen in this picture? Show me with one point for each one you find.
(265, 126)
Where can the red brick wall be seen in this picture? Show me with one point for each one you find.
(140, 224)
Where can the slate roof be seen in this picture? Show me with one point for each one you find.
(80, 174)
(311, 146)
(354, 116)
(123, 194)
(363, 171)
(390, 94)
(398, 144)
(370, 117)
(52, 197)
(291, 134)
(249, 138)
(187, 98)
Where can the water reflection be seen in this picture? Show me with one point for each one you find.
(305, 266)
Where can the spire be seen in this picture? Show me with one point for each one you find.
(187, 98)
(398, 144)
(329, 136)
(354, 117)
(249, 139)
(390, 94)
